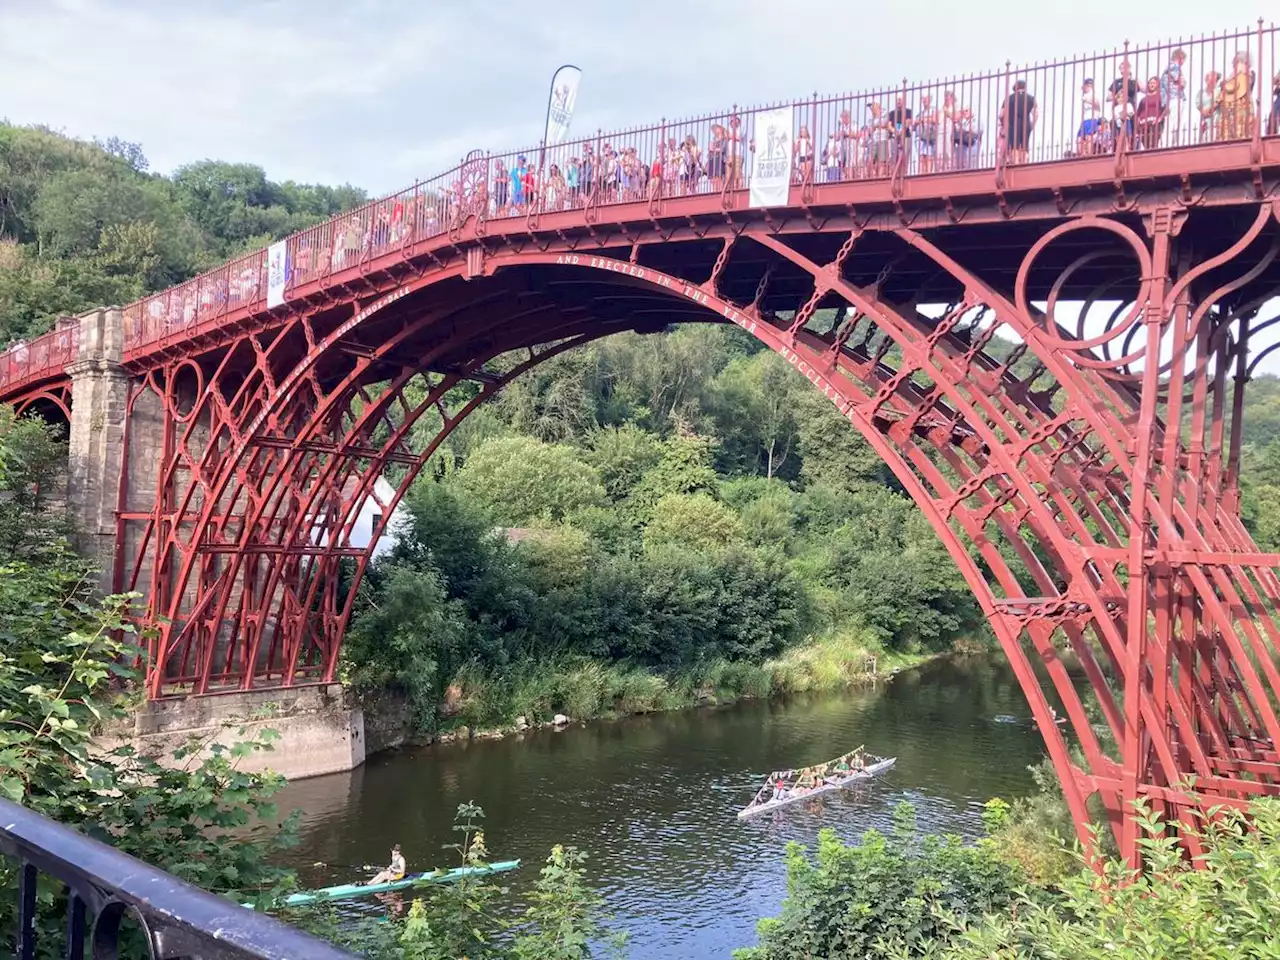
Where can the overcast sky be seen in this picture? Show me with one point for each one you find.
(381, 92)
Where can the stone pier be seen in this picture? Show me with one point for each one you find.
(318, 731)
(100, 388)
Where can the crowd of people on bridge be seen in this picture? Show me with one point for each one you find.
(898, 136)
(1128, 112)
(1138, 114)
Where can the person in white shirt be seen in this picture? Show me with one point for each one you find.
(831, 158)
(1091, 113)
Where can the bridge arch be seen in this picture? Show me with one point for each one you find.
(1022, 457)
(299, 496)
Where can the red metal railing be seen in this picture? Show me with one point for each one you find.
(1210, 89)
(25, 363)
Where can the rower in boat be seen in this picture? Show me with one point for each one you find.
(791, 786)
(394, 870)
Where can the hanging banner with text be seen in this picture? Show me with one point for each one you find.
(771, 162)
(564, 94)
(277, 273)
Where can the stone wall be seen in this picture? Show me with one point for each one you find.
(388, 724)
(319, 732)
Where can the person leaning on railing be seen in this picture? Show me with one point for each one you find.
(1273, 122)
(1018, 119)
(1235, 96)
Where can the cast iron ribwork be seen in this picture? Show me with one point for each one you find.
(1011, 337)
(107, 892)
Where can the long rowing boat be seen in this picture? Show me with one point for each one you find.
(348, 891)
(823, 780)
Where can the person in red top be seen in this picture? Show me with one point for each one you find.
(1150, 116)
(655, 175)
(530, 184)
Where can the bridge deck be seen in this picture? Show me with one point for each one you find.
(881, 178)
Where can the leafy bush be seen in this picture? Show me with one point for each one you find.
(1037, 831)
(520, 480)
(65, 660)
(890, 896)
(562, 920)
(1228, 909)
(692, 520)
(411, 642)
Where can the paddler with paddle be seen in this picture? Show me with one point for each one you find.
(394, 871)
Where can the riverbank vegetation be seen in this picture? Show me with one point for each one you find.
(646, 523)
(898, 897)
(66, 666)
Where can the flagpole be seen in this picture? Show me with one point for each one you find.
(546, 122)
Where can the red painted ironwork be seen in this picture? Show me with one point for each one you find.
(1012, 333)
(24, 366)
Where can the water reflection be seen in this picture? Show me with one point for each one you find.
(653, 799)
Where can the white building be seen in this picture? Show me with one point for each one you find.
(370, 514)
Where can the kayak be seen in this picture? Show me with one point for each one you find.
(348, 891)
(866, 773)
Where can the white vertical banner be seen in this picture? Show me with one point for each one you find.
(564, 94)
(771, 162)
(277, 273)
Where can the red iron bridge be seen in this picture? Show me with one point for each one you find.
(1012, 297)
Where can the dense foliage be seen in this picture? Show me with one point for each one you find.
(64, 661)
(889, 896)
(85, 225)
(1228, 908)
(684, 505)
(899, 898)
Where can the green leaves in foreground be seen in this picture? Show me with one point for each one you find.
(464, 918)
(898, 897)
(1229, 909)
(892, 895)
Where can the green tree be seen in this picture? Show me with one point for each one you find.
(881, 564)
(756, 413)
(768, 509)
(692, 520)
(238, 205)
(520, 480)
(557, 400)
(622, 455)
(832, 451)
(411, 639)
(685, 467)
(33, 455)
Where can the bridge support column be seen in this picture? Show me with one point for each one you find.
(100, 390)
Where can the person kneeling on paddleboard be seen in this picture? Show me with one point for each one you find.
(394, 871)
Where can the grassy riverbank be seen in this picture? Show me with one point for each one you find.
(589, 689)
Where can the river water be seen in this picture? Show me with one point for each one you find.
(652, 799)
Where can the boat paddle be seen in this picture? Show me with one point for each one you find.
(345, 866)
